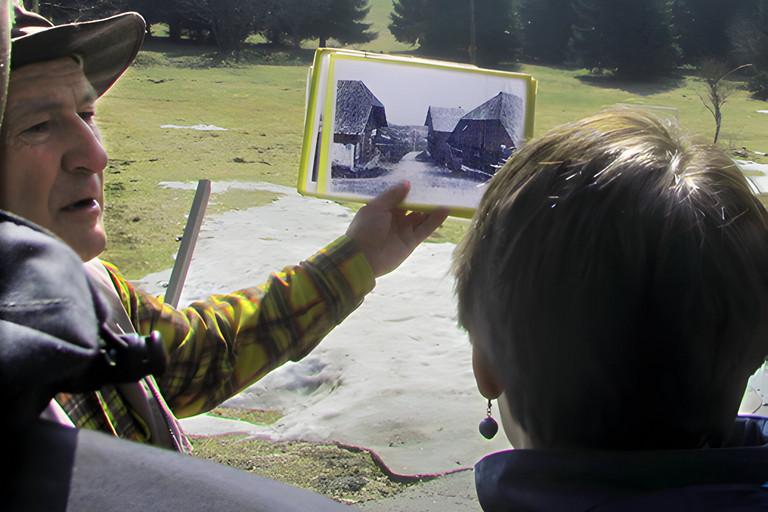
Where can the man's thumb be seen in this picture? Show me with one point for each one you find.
(391, 197)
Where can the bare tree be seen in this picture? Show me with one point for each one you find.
(717, 89)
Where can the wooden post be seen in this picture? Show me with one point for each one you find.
(188, 241)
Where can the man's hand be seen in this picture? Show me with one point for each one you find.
(386, 234)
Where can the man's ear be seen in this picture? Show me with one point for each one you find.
(485, 376)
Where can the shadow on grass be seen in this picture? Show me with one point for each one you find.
(636, 87)
(459, 59)
(185, 53)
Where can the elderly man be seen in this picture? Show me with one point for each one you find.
(52, 173)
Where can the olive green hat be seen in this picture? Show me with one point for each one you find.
(106, 47)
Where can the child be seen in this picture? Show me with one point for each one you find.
(615, 289)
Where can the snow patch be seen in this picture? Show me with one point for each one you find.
(197, 127)
(395, 376)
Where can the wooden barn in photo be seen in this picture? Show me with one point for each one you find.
(359, 115)
(487, 135)
(440, 124)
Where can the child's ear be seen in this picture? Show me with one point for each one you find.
(487, 383)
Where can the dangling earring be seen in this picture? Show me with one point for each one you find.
(488, 427)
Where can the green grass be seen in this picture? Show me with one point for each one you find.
(235, 199)
(338, 473)
(255, 416)
(262, 109)
(567, 95)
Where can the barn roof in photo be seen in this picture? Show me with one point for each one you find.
(354, 105)
(504, 107)
(444, 119)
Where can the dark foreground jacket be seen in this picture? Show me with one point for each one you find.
(734, 478)
(53, 338)
(50, 322)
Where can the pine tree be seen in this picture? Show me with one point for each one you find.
(341, 20)
(499, 31)
(632, 39)
(441, 28)
(703, 26)
(749, 37)
(546, 29)
(297, 20)
(408, 20)
(290, 20)
(447, 29)
(229, 22)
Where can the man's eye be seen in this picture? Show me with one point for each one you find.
(87, 116)
(38, 129)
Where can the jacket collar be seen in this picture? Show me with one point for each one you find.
(558, 480)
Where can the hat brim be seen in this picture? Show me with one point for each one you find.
(107, 47)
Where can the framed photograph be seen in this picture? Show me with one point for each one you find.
(373, 120)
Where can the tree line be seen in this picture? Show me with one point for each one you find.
(629, 39)
(228, 23)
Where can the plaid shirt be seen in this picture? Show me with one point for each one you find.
(220, 346)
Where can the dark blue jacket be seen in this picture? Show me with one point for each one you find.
(734, 478)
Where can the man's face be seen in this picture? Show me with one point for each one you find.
(53, 162)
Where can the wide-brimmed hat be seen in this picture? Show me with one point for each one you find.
(107, 47)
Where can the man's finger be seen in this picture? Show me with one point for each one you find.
(415, 218)
(391, 197)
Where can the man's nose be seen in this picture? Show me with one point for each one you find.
(85, 152)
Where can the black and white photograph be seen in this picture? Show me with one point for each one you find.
(445, 130)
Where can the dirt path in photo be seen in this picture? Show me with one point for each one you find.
(430, 184)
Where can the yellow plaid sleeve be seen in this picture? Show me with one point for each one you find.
(219, 346)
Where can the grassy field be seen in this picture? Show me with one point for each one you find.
(566, 94)
(344, 475)
(260, 106)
